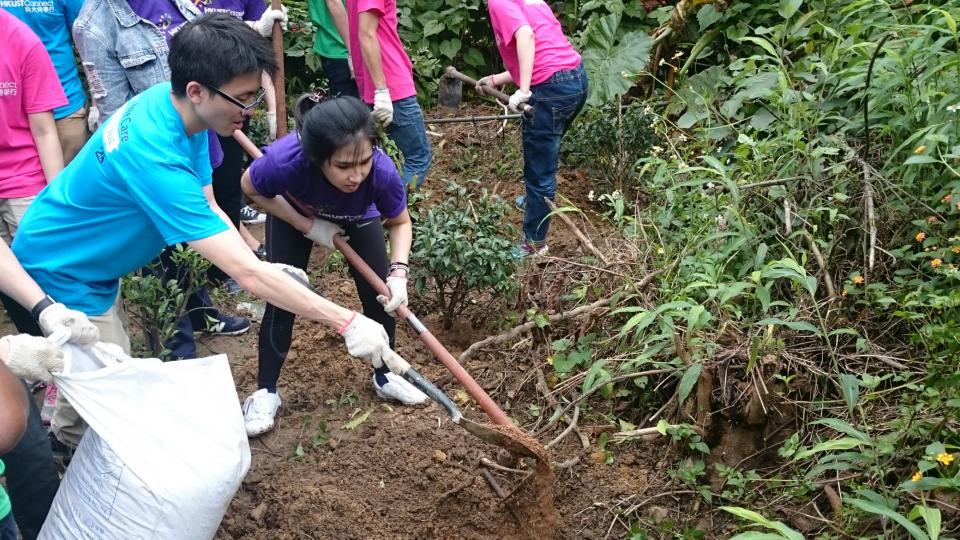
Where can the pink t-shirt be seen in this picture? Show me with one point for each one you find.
(553, 51)
(28, 84)
(397, 67)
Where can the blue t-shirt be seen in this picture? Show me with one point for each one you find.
(285, 170)
(134, 188)
(51, 21)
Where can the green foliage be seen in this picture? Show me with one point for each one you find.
(157, 305)
(462, 250)
(615, 48)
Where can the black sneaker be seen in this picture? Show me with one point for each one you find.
(250, 216)
(227, 325)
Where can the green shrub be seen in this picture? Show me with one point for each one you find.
(462, 250)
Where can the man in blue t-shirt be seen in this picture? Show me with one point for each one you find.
(51, 21)
(143, 183)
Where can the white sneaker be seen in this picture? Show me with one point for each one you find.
(398, 389)
(258, 412)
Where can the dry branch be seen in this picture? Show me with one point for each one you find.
(576, 231)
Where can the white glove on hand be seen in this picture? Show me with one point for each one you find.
(57, 317)
(322, 232)
(518, 99)
(293, 270)
(271, 126)
(382, 106)
(93, 118)
(33, 358)
(265, 24)
(487, 81)
(398, 295)
(395, 362)
(366, 339)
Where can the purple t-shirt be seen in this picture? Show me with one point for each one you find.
(247, 10)
(285, 170)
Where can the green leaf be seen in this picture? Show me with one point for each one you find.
(355, 423)
(850, 386)
(932, 519)
(607, 58)
(688, 380)
(778, 526)
(707, 15)
(881, 510)
(844, 427)
(474, 58)
(843, 443)
(800, 326)
(789, 7)
(919, 160)
(766, 45)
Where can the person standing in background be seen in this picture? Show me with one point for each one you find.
(51, 21)
(330, 18)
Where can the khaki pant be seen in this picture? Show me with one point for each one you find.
(66, 423)
(11, 212)
(73, 133)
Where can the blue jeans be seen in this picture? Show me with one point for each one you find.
(410, 134)
(8, 528)
(556, 102)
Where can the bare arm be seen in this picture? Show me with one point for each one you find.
(526, 47)
(370, 47)
(44, 131)
(400, 231)
(339, 15)
(275, 206)
(15, 282)
(14, 407)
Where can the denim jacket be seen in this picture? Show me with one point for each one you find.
(121, 53)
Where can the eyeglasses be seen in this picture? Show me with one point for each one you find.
(237, 102)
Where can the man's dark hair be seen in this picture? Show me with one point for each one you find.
(213, 49)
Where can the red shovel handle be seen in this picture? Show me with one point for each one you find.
(476, 392)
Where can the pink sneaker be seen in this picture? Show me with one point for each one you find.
(49, 404)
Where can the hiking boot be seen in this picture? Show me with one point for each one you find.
(390, 386)
(227, 325)
(259, 411)
(529, 249)
(250, 216)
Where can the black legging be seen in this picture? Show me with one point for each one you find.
(287, 245)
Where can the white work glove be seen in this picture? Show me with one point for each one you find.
(366, 339)
(382, 106)
(395, 362)
(33, 358)
(57, 317)
(93, 118)
(323, 231)
(398, 295)
(271, 126)
(265, 24)
(518, 99)
(488, 82)
(293, 270)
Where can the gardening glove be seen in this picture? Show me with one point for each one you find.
(487, 82)
(93, 118)
(365, 339)
(382, 106)
(57, 317)
(398, 295)
(271, 126)
(32, 358)
(395, 362)
(293, 271)
(519, 99)
(265, 24)
(322, 232)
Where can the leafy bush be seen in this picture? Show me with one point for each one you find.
(462, 250)
(156, 304)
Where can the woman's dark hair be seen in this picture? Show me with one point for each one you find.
(213, 49)
(324, 125)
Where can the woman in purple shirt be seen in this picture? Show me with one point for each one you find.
(328, 178)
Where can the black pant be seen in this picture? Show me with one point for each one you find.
(337, 71)
(287, 245)
(32, 479)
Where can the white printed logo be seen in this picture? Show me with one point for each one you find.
(8, 88)
(29, 6)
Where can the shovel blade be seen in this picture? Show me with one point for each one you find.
(504, 437)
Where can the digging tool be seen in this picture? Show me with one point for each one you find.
(279, 85)
(403, 368)
(487, 90)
